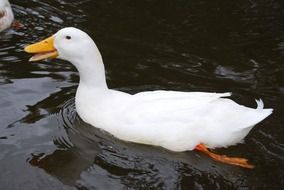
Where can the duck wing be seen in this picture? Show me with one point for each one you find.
(209, 117)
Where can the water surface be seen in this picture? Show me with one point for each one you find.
(195, 45)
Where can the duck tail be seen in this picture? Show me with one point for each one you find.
(251, 117)
(260, 108)
(260, 104)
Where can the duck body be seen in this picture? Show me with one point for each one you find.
(178, 121)
(6, 15)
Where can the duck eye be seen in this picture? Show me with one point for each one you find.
(68, 37)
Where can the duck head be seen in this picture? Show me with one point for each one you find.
(70, 44)
(75, 46)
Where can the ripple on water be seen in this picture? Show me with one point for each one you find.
(101, 161)
(170, 45)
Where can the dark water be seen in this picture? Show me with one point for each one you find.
(188, 45)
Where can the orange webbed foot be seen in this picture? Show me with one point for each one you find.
(242, 162)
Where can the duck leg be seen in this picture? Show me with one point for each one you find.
(223, 158)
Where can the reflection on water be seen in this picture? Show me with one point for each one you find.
(146, 45)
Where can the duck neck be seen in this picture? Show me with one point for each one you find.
(92, 71)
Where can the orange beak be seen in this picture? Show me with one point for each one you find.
(42, 50)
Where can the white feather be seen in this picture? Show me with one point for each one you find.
(260, 104)
(8, 16)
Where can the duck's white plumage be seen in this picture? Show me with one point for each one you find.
(174, 120)
(6, 15)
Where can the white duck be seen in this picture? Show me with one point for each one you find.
(178, 121)
(6, 15)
